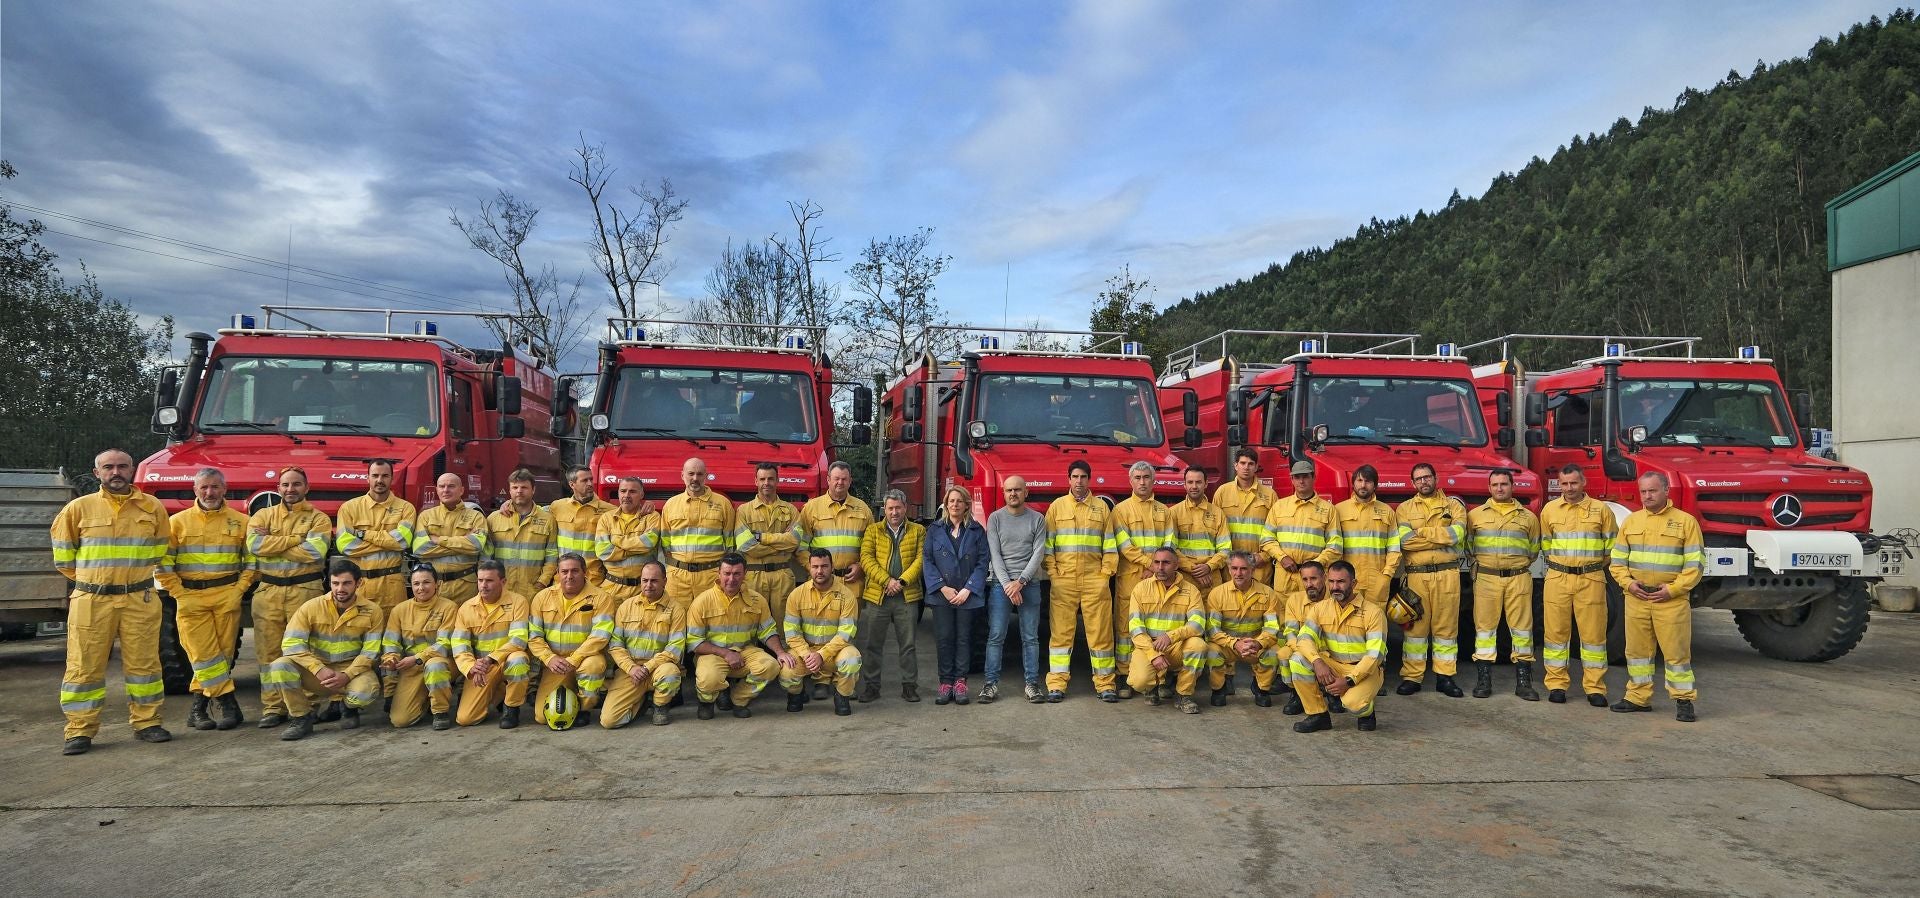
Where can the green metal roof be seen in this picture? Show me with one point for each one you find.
(1877, 219)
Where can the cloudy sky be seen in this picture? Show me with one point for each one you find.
(1047, 144)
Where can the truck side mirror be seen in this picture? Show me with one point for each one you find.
(862, 403)
(1536, 409)
(1236, 406)
(512, 428)
(165, 394)
(1190, 408)
(910, 432)
(861, 434)
(911, 410)
(506, 395)
(1236, 434)
(562, 396)
(1536, 437)
(1503, 413)
(1504, 437)
(1192, 436)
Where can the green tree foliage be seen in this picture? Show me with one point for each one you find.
(1124, 307)
(79, 367)
(1704, 219)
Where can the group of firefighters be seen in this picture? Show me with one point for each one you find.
(605, 607)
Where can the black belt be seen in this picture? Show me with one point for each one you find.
(460, 574)
(1502, 571)
(271, 580)
(623, 581)
(382, 572)
(1432, 568)
(843, 571)
(121, 589)
(693, 567)
(769, 566)
(1576, 569)
(214, 583)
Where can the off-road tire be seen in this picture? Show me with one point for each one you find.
(1821, 630)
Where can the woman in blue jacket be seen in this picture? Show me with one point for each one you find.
(956, 576)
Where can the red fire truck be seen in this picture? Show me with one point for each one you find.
(1341, 401)
(984, 413)
(284, 391)
(662, 397)
(1789, 544)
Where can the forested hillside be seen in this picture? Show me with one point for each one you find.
(1703, 219)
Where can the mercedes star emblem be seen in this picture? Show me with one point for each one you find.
(1786, 509)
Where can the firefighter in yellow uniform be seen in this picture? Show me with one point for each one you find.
(1369, 538)
(375, 531)
(723, 626)
(696, 528)
(207, 573)
(1300, 528)
(1243, 626)
(489, 643)
(769, 536)
(821, 621)
(1247, 500)
(1082, 554)
(1433, 531)
(416, 654)
(1141, 524)
(108, 543)
(647, 645)
(1341, 652)
(1168, 624)
(1576, 535)
(574, 519)
(567, 630)
(289, 546)
(331, 647)
(1200, 535)
(1658, 558)
(522, 536)
(837, 522)
(1503, 537)
(624, 540)
(452, 536)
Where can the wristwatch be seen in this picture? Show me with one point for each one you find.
(1349, 682)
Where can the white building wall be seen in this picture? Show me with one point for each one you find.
(1876, 385)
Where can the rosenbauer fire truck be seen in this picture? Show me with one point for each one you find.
(1789, 543)
(982, 413)
(660, 398)
(285, 391)
(1343, 400)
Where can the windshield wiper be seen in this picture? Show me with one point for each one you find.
(1422, 438)
(741, 431)
(658, 431)
(258, 427)
(356, 428)
(992, 437)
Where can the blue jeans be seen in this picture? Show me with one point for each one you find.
(1033, 606)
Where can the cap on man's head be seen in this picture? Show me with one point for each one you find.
(1301, 467)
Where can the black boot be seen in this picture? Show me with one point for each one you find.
(1261, 699)
(229, 713)
(298, 728)
(1293, 705)
(443, 720)
(1444, 684)
(197, 716)
(842, 706)
(349, 718)
(723, 701)
(510, 717)
(331, 714)
(1407, 687)
(796, 701)
(705, 712)
(1368, 723)
(1314, 723)
(1482, 679)
(1523, 681)
(1219, 698)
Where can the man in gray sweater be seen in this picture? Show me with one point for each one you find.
(1016, 545)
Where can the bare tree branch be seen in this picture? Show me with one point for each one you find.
(627, 246)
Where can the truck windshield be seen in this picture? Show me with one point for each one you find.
(667, 403)
(296, 395)
(1702, 412)
(1058, 408)
(1396, 410)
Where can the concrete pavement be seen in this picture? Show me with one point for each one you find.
(1462, 795)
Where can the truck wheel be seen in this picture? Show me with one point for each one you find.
(175, 670)
(1821, 630)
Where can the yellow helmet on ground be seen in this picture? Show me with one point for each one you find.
(561, 709)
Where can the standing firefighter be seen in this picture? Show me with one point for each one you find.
(1300, 528)
(1081, 557)
(1657, 560)
(1246, 501)
(1576, 533)
(624, 540)
(1369, 538)
(1433, 529)
(289, 546)
(207, 571)
(522, 536)
(1141, 526)
(696, 528)
(452, 536)
(837, 522)
(769, 536)
(1200, 535)
(574, 518)
(108, 544)
(1503, 536)
(375, 531)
